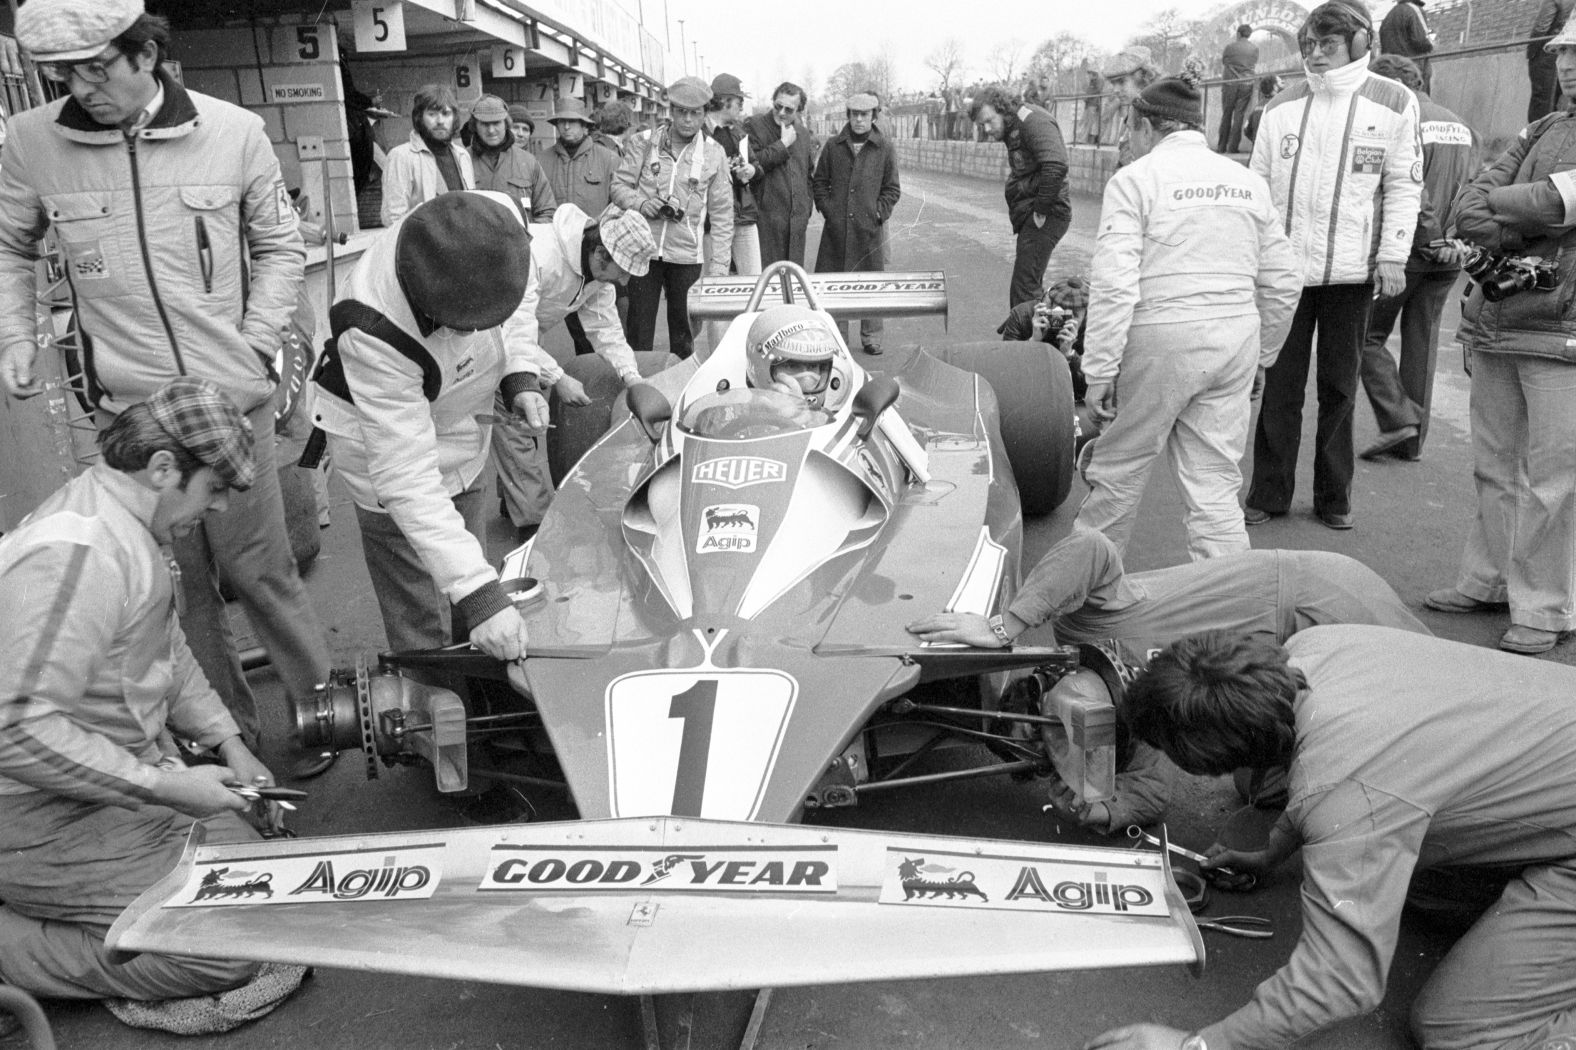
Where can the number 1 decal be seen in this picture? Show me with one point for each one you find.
(695, 743)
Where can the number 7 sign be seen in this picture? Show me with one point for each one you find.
(695, 743)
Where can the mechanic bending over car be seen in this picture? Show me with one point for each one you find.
(1421, 769)
(1081, 588)
(415, 356)
(95, 802)
(577, 264)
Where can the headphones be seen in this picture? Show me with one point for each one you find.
(1361, 39)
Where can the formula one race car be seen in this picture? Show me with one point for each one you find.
(716, 605)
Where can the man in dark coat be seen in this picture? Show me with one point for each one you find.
(501, 163)
(782, 147)
(1037, 203)
(1238, 62)
(856, 188)
(1404, 32)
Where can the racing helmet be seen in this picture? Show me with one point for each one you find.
(794, 349)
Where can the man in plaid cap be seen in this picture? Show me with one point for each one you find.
(181, 251)
(577, 263)
(95, 802)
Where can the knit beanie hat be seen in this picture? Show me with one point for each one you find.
(1172, 98)
(462, 259)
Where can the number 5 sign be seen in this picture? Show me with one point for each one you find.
(380, 24)
(698, 743)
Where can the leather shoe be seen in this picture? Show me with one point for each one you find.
(1332, 520)
(1528, 640)
(1388, 442)
(1450, 600)
(1255, 516)
(873, 351)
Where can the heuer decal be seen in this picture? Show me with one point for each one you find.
(737, 472)
(406, 873)
(1022, 883)
(728, 527)
(808, 869)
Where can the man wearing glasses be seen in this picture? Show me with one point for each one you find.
(180, 247)
(783, 148)
(1342, 153)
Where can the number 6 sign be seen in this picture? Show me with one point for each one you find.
(696, 743)
(380, 24)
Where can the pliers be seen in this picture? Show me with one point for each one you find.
(1251, 926)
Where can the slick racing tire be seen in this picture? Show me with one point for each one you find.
(1034, 398)
(577, 427)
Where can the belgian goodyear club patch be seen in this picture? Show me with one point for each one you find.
(1367, 160)
(406, 873)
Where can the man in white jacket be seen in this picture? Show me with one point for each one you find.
(577, 264)
(1193, 285)
(1343, 156)
(424, 331)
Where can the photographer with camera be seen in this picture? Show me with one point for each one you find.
(1057, 317)
(678, 179)
(1521, 353)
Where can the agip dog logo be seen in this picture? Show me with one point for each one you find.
(729, 527)
(402, 873)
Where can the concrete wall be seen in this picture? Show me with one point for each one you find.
(1088, 167)
(288, 75)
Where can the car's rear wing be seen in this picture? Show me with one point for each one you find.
(846, 296)
(609, 905)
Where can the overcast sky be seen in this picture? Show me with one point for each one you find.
(764, 43)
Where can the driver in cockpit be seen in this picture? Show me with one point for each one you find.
(794, 350)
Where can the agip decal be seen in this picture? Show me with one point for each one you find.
(710, 869)
(1007, 883)
(731, 527)
(404, 873)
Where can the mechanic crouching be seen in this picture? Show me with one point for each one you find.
(95, 802)
(416, 356)
(1414, 761)
(1081, 588)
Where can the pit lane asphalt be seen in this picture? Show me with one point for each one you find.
(1411, 522)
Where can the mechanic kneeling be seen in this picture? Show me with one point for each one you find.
(1409, 756)
(95, 803)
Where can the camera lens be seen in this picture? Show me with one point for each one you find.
(1505, 284)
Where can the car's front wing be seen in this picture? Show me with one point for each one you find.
(666, 904)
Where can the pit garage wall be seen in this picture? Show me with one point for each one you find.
(286, 72)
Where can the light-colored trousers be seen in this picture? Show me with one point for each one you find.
(1522, 547)
(1183, 390)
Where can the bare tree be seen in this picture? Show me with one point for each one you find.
(1169, 37)
(1005, 60)
(845, 80)
(881, 69)
(1059, 56)
(946, 62)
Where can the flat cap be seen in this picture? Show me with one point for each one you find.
(864, 101)
(207, 424)
(490, 108)
(1128, 61)
(727, 84)
(689, 92)
(627, 237)
(73, 30)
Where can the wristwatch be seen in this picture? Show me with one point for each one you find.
(1000, 631)
(1194, 1042)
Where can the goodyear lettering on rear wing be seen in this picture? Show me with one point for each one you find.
(405, 873)
(698, 869)
(874, 294)
(1008, 883)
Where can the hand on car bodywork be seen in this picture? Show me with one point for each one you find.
(533, 407)
(501, 635)
(966, 628)
(16, 370)
(571, 391)
(1138, 1037)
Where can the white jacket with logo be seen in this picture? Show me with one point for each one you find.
(1186, 235)
(1343, 158)
(558, 288)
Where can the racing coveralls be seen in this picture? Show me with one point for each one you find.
(410, 450)
(557, 289)
(99, 669)
(1192, 288)
(180, 246)
(1081, 588)
(1468, 765)
(1341, 153)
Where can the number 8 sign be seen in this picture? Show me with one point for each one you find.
(697, 743)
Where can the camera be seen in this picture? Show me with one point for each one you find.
(1502, 276)
(670, 210)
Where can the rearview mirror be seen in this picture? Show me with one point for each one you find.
(874, 398)
(650, 407)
